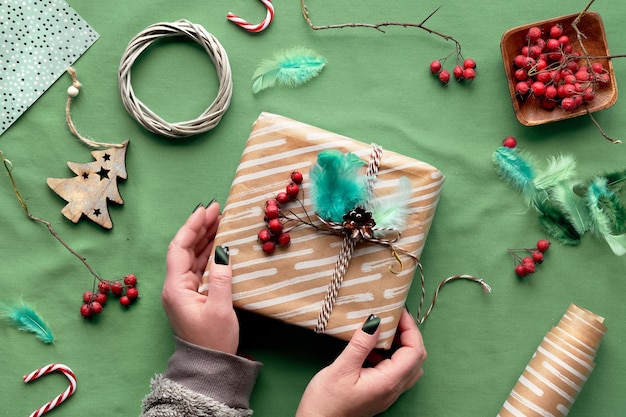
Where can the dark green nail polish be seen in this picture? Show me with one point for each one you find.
(221, 255)
(197, 207)
(211, 202)
(371, 324)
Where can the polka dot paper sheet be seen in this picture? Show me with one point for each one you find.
(39, 40)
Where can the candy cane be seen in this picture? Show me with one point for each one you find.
(251, 27)
(61, 397)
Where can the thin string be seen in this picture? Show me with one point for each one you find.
(72, 92)
(420, 320)
(142, 113)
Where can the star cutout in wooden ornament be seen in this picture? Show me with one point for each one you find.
(95, 183)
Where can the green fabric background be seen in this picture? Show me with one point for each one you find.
(375, 88)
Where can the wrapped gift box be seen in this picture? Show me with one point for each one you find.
(290, 284)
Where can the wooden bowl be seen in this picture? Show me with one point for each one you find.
(529, 111)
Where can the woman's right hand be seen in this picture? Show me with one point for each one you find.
(347, 389)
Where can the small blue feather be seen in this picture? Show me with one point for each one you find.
(336, 184)
(26, 319)
(293, 67)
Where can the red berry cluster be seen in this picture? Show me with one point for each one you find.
(125, 290)
(548, 69)
(274, 233)
(461, 71)
(525, 265)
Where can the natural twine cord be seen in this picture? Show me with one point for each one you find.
(72, 92)
(146, 117)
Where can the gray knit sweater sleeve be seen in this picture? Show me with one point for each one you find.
(202, 382)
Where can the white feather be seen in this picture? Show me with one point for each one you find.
(392, 211)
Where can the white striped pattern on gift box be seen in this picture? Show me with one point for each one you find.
(290, 284)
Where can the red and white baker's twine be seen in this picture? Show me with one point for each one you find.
(250, 27)
(346, 251)
(59, 398)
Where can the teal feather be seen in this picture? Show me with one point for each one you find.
(616, 182)
(25, 318)
(392, 210)
(608, 215)
(560, 168)
(293, 68)
(336, 185)
(557, 225)
(571, 205)
(518, 170)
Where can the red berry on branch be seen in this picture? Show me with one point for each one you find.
(529, 267)
(272, 211)
(556, 31)
(282, 197)
(104, 287)
(522, 88)
(125, 300)
(510, 142)
(284, 239)
(543, 245)
(469, 63)
(520, 270)
(435, 66)
(444, 76)
(469, 73)
(85, 311)
(537, 256)
(101, 298)
(458, 72)
(292, 190)
(275, 226)
(296, 177)
(132, 293)
(569, 104)
(117, 288)
(534, 33)
(130, 280)
(268, 247)
(264, 236)
(87, 296)
(95, 307)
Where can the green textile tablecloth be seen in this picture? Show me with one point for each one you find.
(375, 88)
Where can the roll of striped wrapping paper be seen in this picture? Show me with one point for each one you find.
(559, 367)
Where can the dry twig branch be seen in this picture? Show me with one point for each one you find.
(579, 37)
(379, 26)
(8, 167)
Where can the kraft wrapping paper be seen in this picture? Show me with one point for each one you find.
(290, 284)
(559, 368)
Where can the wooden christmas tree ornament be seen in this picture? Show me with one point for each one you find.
(95, 182)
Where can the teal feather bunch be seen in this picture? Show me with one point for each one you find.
(336, 184)
(292, 67)
(26, 319)
(568, 207)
